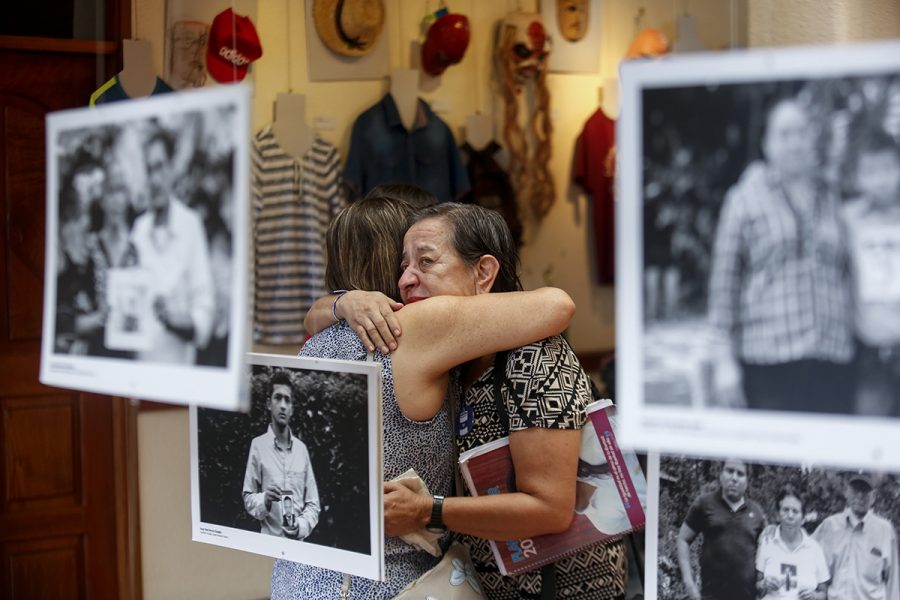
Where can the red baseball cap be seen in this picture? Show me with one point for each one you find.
(233, 45)
(445, 43)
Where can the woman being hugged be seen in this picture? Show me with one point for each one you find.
(363, 246)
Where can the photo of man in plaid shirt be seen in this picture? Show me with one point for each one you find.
(779, 287)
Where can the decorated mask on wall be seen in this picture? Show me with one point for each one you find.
(527, 43)
(572, 17)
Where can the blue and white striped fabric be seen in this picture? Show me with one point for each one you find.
(293, 203)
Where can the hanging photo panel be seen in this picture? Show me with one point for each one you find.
(721, 527)
(299, 476)
(145, 281)
(759, 254)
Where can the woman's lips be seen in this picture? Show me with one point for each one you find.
(412, 299)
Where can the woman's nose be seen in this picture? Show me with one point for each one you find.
(407, 278)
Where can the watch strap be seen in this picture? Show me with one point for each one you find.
(436, 522)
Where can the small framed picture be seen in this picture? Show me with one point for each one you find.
(299, 476)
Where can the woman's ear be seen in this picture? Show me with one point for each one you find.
(486, 270)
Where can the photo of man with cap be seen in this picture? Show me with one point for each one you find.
(730, 523)
(860, 547)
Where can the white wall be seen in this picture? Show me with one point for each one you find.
(779, 23)
(172, 565)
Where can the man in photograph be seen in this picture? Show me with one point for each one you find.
(779, 295)
(171, 245)
(860, 547)
(730, 523)
(279, 486)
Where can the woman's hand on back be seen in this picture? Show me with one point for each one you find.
(371, 315)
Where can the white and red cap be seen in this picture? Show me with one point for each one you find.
(233, 45)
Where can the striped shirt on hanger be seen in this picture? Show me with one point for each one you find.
(293, 203)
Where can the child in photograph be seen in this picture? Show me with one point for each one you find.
(873, 226)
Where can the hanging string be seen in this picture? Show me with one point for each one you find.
(287, 37)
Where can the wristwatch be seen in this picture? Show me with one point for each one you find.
(436, 522)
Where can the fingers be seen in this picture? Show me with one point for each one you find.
(376, 332)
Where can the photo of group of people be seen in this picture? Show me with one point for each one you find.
(299, 467)
(143, 241)
(767, 246)
(729, 529)
(784, 242)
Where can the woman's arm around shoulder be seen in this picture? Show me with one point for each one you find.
(445, 331)
(370, 314)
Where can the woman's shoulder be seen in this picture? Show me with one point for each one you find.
(338, 341)
(555, 347)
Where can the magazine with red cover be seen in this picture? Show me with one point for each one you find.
(611, 493)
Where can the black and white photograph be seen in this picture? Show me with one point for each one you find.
(761, 267)
(145, 296)
(298, 477)
(728, 529)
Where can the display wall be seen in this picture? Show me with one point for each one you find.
(557, 251)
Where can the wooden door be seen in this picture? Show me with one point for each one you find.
(66, 526)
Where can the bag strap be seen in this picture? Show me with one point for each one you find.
(499, 376)
(548, 572)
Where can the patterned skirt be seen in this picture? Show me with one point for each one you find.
(596, 573)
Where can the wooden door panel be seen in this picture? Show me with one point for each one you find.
(42, 452)
(46, 568)
(25, 218)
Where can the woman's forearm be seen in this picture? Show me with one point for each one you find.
(511, 516)
(319, 316)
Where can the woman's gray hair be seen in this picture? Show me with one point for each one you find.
(475, 232)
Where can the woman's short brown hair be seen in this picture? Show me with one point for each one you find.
(363, 245)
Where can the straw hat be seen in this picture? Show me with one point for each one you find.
(349, 27)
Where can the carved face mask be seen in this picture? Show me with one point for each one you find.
(528, 42)
(572, 16)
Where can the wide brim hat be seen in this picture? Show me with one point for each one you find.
(349, 27)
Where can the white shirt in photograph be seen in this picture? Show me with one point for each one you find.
(874, 237)
(801, 568)
(177, 258)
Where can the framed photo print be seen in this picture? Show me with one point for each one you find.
(728, 527)
(759, 253)
(145, 278)
(298, 477)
